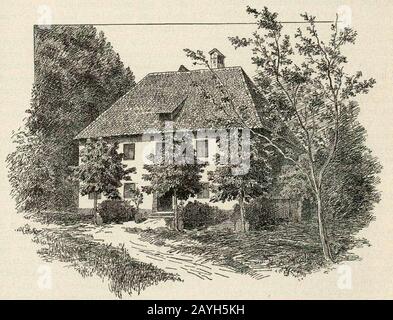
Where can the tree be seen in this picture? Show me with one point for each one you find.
(181, 179)
(31, 174)
(307, 90)
(231, 182)
(137, 198)
(350, 188)
(101, 170)
(77, 76)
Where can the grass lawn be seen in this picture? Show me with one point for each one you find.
(124, 274)
(291, 248)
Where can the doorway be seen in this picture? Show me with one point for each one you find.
(165, 203)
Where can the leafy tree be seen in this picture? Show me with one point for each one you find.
(231, 182)
(32, 175)
(180, 179)
(350, 188)
(305, 86)
(101, 170)
(77, 76)
(137, 198)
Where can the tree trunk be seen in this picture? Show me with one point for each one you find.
(95, 206)
(177, 219)
(242, 215)
(322, 231)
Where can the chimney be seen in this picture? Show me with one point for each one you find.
(216, 59)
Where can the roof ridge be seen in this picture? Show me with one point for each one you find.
(190, 71)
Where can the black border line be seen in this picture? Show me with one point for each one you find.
(156, 24)
(176, 23)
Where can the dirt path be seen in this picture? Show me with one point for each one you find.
(186, 265)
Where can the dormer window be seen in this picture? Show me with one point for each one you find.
(165, 116)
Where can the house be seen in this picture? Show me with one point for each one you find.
(187, 101)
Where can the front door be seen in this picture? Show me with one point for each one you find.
(165, 203)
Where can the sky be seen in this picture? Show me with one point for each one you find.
(160, 48)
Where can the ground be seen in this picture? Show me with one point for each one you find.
(136, 258)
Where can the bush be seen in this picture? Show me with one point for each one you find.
(259, 213)
(116, 211)
(198, 215)
(140, 217)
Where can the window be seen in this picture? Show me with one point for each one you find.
(204, 193)
(129, 188)
(91, 196)
(129, 151)
(202, 148)
(165, 116)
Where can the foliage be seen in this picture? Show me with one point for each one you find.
(306, 86)
(184, 178)
(228, 185)
(181, 179)
(260, 213)
(350, 187)
(77, 76)
(63, 218)
(199, 215)
(309, 95)
(101, 169)
(34, 174)
(116, 211)
(136, 198)
(140, 217)
(114, 264)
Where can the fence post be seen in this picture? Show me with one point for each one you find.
(299, 208)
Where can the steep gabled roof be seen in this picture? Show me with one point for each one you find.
(190, 93)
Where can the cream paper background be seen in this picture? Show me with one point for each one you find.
(159, 48)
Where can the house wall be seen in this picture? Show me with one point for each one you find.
(143, 148)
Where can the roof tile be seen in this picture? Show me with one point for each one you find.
(139, 110)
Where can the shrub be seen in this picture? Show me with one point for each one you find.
(259, 213)
(198, 215)
(140, 217)
(116, 211)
